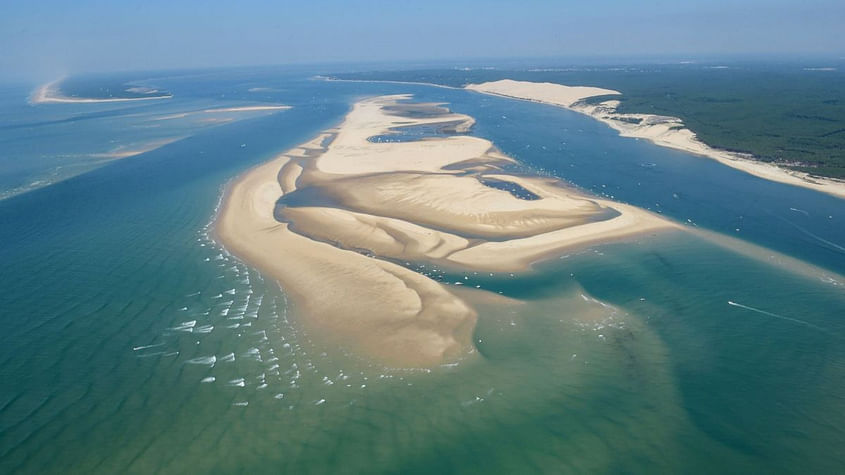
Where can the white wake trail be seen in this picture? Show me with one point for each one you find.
(774, 315)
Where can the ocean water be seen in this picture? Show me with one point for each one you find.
(132, 342)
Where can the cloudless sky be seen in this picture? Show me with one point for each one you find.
(40, 39)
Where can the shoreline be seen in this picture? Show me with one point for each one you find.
(331, 218)
(48, 94)
(663, 131)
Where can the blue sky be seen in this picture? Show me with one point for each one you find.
(41, 39)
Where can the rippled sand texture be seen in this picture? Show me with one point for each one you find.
(334, 218)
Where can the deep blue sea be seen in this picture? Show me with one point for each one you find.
(131, 342)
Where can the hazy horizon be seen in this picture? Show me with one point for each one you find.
(54, 39)
(465, 237)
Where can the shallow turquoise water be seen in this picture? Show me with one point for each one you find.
(117, 306)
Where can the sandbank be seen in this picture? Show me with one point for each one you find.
(333, 218)
(248, 109)
(125, 152)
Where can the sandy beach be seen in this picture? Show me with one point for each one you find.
(50, 93)
(661, 130)
(331, 218)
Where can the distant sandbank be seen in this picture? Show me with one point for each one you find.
(661, 130)
(248, 108)
(223, 110)
(50, 93)
(333, 218)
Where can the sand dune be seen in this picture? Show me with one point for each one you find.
(545, 92)
(329, 218)
(662, 130)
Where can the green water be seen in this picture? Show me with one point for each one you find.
(118, 308)
(677, 382)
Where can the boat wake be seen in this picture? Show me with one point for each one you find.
(774, 315)
(824, 242)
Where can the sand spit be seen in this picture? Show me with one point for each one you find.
(333, 218)
(661, 130)
(50, 93)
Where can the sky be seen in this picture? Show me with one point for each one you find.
(41, 39)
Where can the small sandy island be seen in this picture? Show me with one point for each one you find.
(662, 130)
(398, 183)
(50, 93)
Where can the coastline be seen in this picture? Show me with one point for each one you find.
(664, 131)
(332, 219)
(49, 93)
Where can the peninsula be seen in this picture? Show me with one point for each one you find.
(661, 130)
